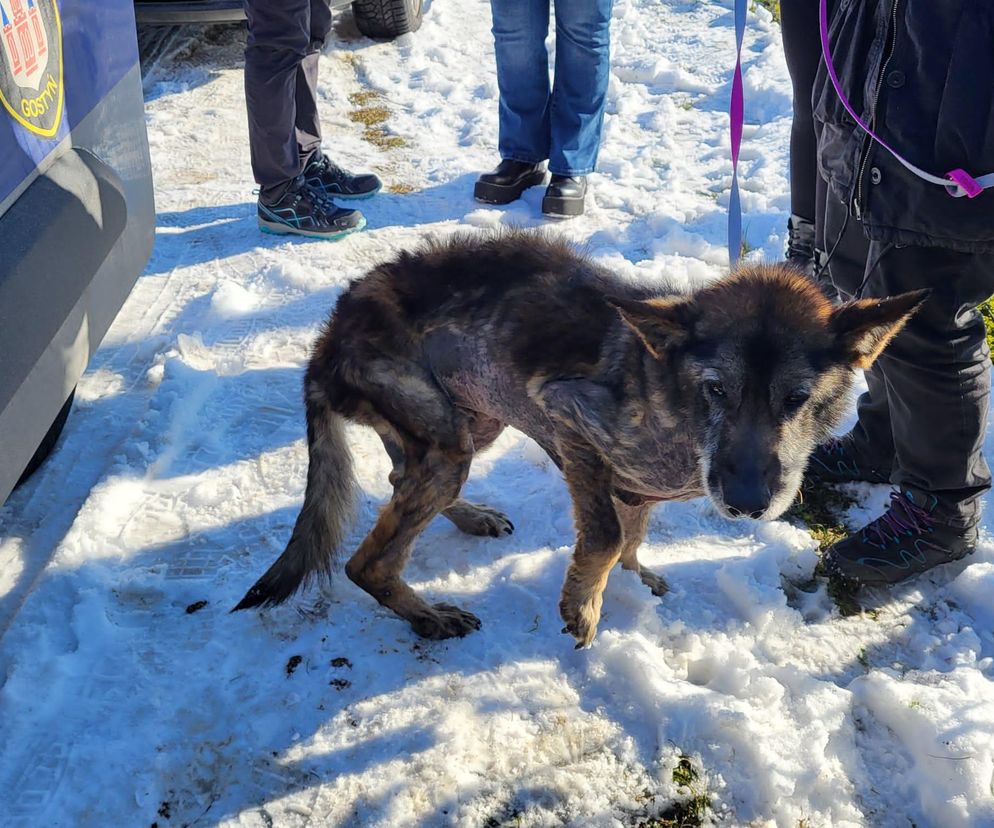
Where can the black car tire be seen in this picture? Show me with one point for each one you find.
(48, 441)
(386, 19)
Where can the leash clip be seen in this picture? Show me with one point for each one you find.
(963, 184)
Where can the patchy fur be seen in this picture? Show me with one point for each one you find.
(638, 396)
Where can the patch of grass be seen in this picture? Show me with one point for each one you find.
(684, 774)
(363, 98)
(863, 659)
(400, 188)
(820, 509)
(689, 812)
(382, 139)
(369, 111)
(773, 6)
(370, 115)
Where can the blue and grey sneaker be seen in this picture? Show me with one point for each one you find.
(334, 182)
(302, 211)
(840, 461)
(904, 541)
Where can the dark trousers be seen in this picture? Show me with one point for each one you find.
(802, 48)
(281, 72)
(925, 412)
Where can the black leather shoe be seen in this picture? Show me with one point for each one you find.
(564, 196)
(506, 183)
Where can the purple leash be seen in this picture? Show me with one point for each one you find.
(958, 183)
(736, 114)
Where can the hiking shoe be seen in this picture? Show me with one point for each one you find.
(564, 196)
(801, 244)
(302, 211)
(332, 181)
(904, 541)
(508, 181)
(839, 461)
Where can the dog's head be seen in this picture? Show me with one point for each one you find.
(761, 366)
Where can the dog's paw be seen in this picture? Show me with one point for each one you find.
(444, 621)
(656, 583)
(477, 519)
(581, 618)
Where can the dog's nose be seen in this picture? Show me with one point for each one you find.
(746, 495)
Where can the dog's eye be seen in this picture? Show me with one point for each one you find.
(714, 388)
(793, 401)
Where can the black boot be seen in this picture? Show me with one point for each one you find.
(801, 244)
(564, 196)
(506, 183)
(907, 540)
(840, 461)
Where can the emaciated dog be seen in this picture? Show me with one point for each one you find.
(638, 397)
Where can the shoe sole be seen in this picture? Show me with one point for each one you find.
(562, 208)
(278, 229)
(506, 193)
(856, 586)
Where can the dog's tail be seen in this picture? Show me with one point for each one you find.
(321, 526)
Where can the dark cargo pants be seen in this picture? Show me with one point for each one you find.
(281, 72)
(924, 415)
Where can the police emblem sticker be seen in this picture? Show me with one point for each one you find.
(31, 87)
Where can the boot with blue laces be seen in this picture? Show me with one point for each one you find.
(303, 211)
(840, 460)
(327, 178)
(908, 539)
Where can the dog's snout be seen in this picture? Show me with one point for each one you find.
(748, 487)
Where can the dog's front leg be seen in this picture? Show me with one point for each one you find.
(598, 538)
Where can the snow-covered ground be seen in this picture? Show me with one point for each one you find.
(130, 697)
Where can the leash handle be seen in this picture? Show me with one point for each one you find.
(957, 183)
(736, 115)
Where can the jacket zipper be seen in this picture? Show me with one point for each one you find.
(867, 141)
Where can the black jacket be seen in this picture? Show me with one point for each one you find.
(922, 73)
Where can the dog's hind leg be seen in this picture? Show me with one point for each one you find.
(476, 518)
(599, 540)
(471, 518)
(634, 521)
(426, 482)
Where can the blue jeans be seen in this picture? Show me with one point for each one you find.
(562, 124)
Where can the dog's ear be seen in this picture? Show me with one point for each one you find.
(659, 323)
(864, 327)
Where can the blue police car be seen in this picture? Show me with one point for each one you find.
(77, 218)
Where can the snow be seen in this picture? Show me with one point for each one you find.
(130, 696)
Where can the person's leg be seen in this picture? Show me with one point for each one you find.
(520, 28)
(308, 124)
(870, 443)
(937, 376)
(278, 38)
(802, 49)
(579, 91)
